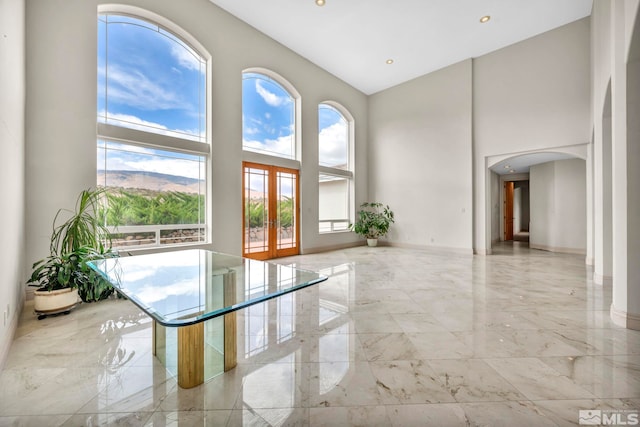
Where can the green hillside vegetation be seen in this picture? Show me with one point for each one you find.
(147, 207)
(132, 207)
(255, 213)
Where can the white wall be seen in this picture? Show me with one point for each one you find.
(517, 210)
(523, 186)
(12, 190)
(61, 112)
(558, 206)
(420, 158)
(533, 95)
(616, 54)
(633, 185)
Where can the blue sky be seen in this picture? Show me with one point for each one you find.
(267, 116)
(154, 82)
(151, 79)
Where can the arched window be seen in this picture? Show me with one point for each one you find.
(268, 116)
(152, 141)
(333, 139)
(335, 182)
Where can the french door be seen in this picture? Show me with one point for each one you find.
(271, 209)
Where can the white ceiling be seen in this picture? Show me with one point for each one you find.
(522, 163)
(352, 39)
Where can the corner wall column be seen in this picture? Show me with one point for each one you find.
(625, 88)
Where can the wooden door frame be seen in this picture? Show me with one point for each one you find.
(273, 251)
(508, 201)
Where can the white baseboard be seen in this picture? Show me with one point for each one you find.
(321, 249)
(624, 319)
(599, 279)
(439, 249)
(576, 251)
(459, 251)
(7, 339)
(483, 252)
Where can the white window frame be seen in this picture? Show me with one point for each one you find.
(337, 172)
(141, 138)
(274, 159)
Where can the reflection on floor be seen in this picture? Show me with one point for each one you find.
(395, 337)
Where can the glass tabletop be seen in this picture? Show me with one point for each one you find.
(185, 287)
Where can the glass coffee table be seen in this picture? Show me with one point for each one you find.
(192, 296)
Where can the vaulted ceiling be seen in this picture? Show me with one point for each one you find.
(354, 39)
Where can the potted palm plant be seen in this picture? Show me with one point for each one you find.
(374, 220)
(63, 278)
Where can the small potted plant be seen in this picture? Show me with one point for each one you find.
(63, 278)
(374, 220)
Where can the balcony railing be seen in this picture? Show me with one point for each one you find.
(331, 225)
(156, 235)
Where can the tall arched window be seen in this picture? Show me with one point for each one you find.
(268, 116)
(152, 141)
(335, 182)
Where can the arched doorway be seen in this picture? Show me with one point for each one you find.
(539, 199)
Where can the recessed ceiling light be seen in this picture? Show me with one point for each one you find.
(389, 61)
(512, 170)
(507, 167)
(485, 19)
(320, 2)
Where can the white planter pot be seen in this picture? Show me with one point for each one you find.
(58, 301)
(372, 242)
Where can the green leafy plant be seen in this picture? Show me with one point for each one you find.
(74, 242)
(285, 212)
(83, 228)
(256, 214)
(374, 220)
(70, 270)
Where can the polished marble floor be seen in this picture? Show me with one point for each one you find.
(395, 337)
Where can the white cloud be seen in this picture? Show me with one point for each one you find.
(255, 121)
(133, 88)
(269, 97)
(187, 58)
(282, 145)
(333, 150)
(152, 293)
(136, 158)
(134, 122)
(133, 149)
(127, 161)
(177, 167)
(141, 269)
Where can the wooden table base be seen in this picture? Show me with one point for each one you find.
(191, 343)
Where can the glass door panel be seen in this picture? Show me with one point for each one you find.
(286, 206)
(271, 209)
(256, 212)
